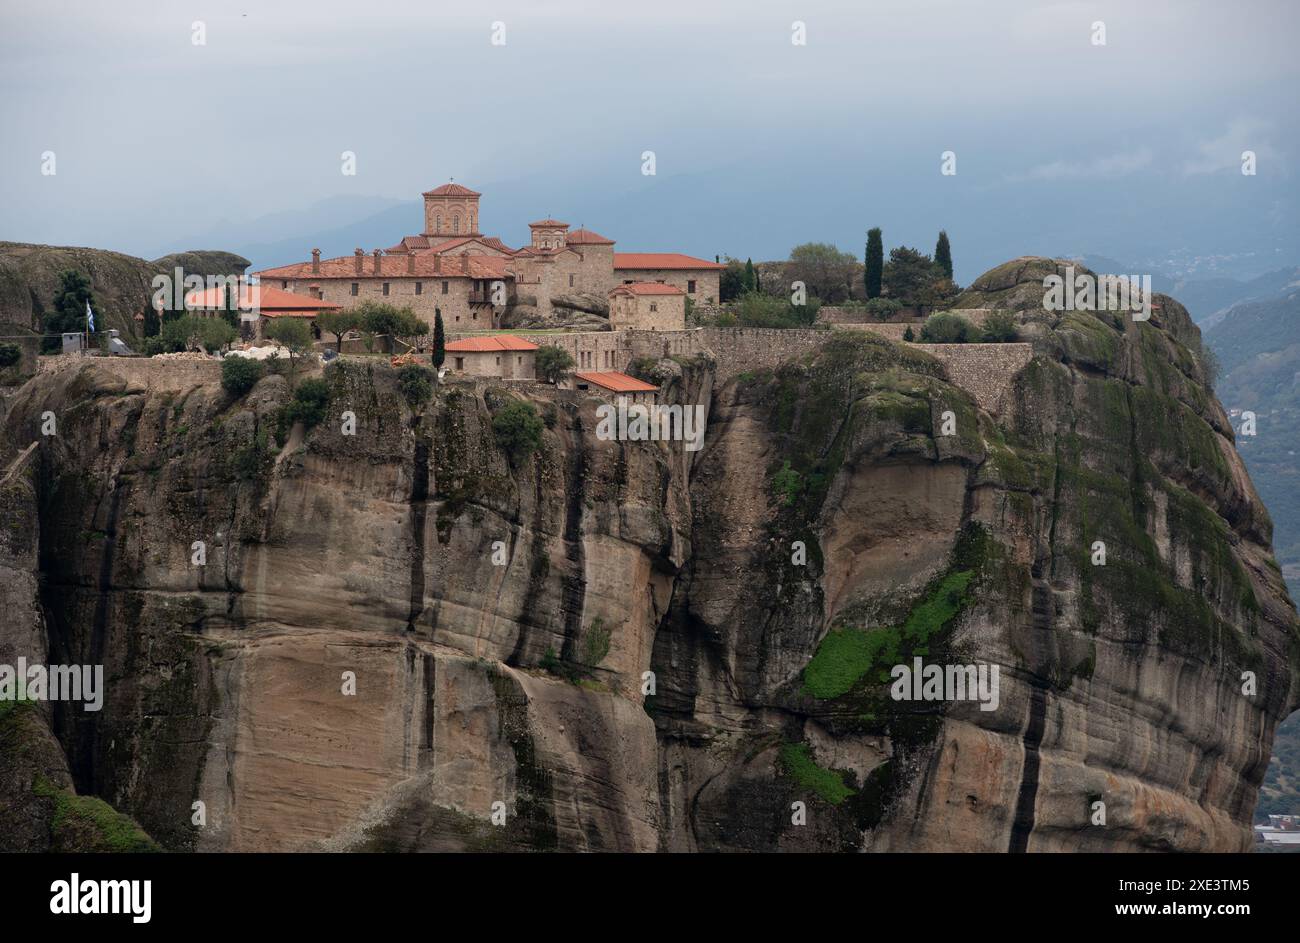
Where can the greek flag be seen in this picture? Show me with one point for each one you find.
(90, 318)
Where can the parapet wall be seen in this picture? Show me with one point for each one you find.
(157, 374)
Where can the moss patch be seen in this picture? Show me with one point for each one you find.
(799, 765)
(89, 824)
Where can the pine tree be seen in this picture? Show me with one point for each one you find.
(151, 322)
(874, 262)
(439, 341)
(943, 254)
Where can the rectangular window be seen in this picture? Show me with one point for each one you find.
(355, 288)
(690, 286)
(498, 361)
(284, 284)
(570, 280)
(385, 288)
(653, 306)
(419, 288)
(444, 288)
(460, 363)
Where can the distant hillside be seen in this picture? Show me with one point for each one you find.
(29, 277)
(1258, 345)
(1206, 298)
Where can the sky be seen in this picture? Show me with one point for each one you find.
(1131, 149)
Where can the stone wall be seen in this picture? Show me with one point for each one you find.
(153, 373)
(983, 370)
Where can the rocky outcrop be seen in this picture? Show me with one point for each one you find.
(29, 279)
(398, 634)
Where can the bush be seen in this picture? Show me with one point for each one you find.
(909, 335)
(239, 374)
(882, 309)
(518, 430)
(946, 328)
(759, 310)
(10, 354)
(307, 406)
(416, 384)
(1000, 327)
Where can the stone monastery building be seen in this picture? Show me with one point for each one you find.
(453, 269)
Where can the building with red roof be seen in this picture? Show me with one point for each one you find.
(453, 270)
(257, 304)
(647, 306)
(498, 355)
(614, 384)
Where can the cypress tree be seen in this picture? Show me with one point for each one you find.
(874, 262)
(751, 277)
(943, 254)
(439, 341)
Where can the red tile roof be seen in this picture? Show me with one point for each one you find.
(263, 297)
(661, 260)
(585, 237)
(547, 222)
(618, 382)
(647, 288)
(492, 342)
(451, 189)
(427, 265)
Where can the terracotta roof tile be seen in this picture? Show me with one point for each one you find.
(618, 382)
(548, 222)
(451, 189)
(428, 264)
(661, 260)
(263, 297)
(491, 342)
(585, 237)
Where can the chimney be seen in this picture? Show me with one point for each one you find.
(437, 265)
(464, 263)
(315, 261)
(357, 256)
(377, 272)
(410, 262)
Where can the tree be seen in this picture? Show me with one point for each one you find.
(882, 309)
(10, 354)
(416, 384)
(439, 341)
(943, 255)
(307, 406)
(518, 430)
(229, 309)
(376, 318)
(874, 263)
(751, 276)
(825, 270)
(295, 335)
(190, 332)
(337, 323)
(240, 374)
(946, 328)
(69, 314)
(909, 335)
(553, 363)
(152, 323)
(907, 274)
(731, 282)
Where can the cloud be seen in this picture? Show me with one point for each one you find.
(1224, 152)
(1115, 165)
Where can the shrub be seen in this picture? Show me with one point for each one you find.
(307, 406)
(518, 429)
(946, 328)
(1000, 327)
(909, 334)
(239, 374)
(882, 309)
(416, 384)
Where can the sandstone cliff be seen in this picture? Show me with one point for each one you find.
(499, 619)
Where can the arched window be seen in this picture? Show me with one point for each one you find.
(439, 227)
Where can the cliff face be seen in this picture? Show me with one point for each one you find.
(634, 647)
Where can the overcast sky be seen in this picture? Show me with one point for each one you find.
(1128, 148)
